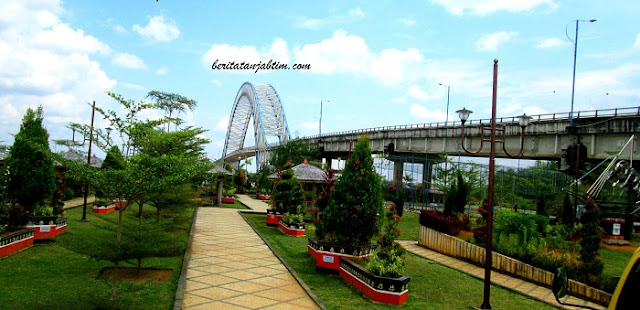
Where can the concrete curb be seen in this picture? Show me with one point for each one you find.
(177, 305)
(293, 273)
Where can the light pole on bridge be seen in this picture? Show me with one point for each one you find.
(320, 120)
(446, 120)
(575, 52)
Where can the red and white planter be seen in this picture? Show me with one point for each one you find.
(119, 203)
(327, 255)
(103, 208)
(380, 289)
(263, 197)
(273, 217)
(229, 200)
(295, 230)
(47, 227)
(16, 241)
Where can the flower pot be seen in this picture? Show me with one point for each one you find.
(47, 227)
(295, 229)
(273, 217)
(327, 255)
(229, 200)
(103, 207)
(15, 241)
(380, 289)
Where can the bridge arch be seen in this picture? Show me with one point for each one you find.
(262, 103)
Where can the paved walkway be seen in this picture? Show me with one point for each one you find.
(77, 202)
(523, 287)
(253, 204)
(230, 267)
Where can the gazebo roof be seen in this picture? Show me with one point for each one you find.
(305, 173)
(219, 169)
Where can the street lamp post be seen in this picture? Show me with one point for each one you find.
(320, 120)
(575, 52)
(523, 121)
(90, 139)
(446, 120)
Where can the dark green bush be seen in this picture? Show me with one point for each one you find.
(436, 220)
(68, 194)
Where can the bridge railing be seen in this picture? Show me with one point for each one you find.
(615, 112)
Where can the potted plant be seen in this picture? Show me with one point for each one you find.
(351, 216)
(292, 224)
(381, 278)
(103, 206)
(287, 195)
(227, 195)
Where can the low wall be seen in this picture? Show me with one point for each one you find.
(472, 253)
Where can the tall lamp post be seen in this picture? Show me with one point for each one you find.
(524, 122)
(90, 139)
(575, 52)
(320, 119)
(446, 120)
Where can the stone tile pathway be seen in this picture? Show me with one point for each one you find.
(230, 267)
(78, 202)
(253, 204)
(523, 287)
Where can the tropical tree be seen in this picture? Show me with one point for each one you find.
(170, 102)
(30, 166)
(352, 213)
(294, 151)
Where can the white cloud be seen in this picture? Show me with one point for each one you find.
(159, 29)
(417, 93)
(222, 124)
(637, 42)
(427, 115)
(132, 86)
(225, 53)
(310, 125)
(162, 70)
(356, 12)
(552, 43)
(120, 29)
(46, 62)
(407, 22)
(490, 42)
(485, 7)
(216, 82)
(129, 61)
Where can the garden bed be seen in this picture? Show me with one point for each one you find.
(16, 241)
(47, 227)
(295, 230)
(103, 208)
(327, 255)
(380, 289)
(273, 217)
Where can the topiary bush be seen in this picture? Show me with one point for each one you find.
(287, 194)
(352, 213)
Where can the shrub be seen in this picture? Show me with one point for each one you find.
(287, 195)
(590, 265)
(457, 196)
(294, 218)
(386, 260)
(512, 223)
(352, 213)
(68, 194)
(436, 220)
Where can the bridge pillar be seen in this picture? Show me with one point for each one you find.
(398, 173)
(427, 173)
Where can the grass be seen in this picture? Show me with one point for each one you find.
(433, 286)
(409, 226)
(58, 275)
(614, 261)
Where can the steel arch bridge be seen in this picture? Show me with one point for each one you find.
(262, 103)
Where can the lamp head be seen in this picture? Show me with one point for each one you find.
(592, 20)
(523, 120)
(464, 114)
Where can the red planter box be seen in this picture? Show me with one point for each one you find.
(47, 231)
(13, 242)
(104, 209)
(228, 200)
(295, 230)
(327, 255)
(120, 203)
(263, 197)
(381, 289)
(273, 217)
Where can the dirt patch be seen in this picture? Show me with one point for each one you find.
(132, 274)
(464, 234)
(619, 247)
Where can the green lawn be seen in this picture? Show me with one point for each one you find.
(55, 275)
(614, 261)
(235, 205)
(410, 226)
(433, 286)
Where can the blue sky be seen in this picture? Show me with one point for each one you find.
(378, 62)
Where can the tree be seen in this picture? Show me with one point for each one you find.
(590, 236)
(113, 159)
(387, 260)
(30, 166)
(352, 214)
(170, 102)
(294, 151)
(287, 194)
(457, 196)
(568, 215)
